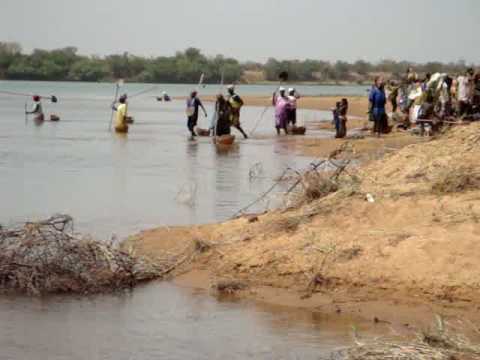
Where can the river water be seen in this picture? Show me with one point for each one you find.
(153, 176)
(119, 185)
(162, 321)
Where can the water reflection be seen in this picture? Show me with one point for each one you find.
(161, 321)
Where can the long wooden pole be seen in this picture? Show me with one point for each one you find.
(117, 89)
(26, 115)
(265, 110)
(215, 114)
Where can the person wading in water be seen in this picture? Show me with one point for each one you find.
(193, 103)
(223, 124)
(121, 119)
(37, 109)
(236, 104)
(292, 108)
(281, 104)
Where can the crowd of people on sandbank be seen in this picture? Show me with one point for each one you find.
(425, 102)
(422, 103)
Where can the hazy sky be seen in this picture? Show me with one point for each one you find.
(415, 30)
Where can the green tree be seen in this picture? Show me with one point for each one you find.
(9, 53)
(86, 69)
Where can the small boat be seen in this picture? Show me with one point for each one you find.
(130, 119)
(54, 117)
(224, 140)
(202, 132)
(297, 130)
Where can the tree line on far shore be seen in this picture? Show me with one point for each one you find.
(186, 67)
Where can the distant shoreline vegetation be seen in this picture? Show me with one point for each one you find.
(66, 64)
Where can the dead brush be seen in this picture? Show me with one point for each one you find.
(321, 179)
(438, 343)
(229, 287)
(285, 223)
(202, 246)
(47, 257)
(456, 179)
(315, 186)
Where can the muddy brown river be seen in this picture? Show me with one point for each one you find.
(120, 185)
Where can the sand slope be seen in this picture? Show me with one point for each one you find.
(419, 242)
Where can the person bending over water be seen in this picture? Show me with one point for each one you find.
(37, 109)
(193, 103)
(166, 97)
(236, 104)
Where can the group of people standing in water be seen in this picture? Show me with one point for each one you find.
(227, 113)
(285, 109)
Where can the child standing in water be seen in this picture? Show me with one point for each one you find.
(336, 119)
(343, 110)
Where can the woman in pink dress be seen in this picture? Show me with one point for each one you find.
(281, 104)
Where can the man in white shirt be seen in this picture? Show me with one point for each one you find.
(292, 108)
(465, 92)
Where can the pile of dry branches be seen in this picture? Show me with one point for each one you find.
(323, 177)
(319, 180)
(439, 343)
(46, 257)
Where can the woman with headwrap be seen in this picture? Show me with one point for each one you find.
(236, 103)
(223, 109)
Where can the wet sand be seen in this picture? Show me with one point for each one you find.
(358, 106)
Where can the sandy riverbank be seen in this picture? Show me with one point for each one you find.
(358, 105)
(409, 255)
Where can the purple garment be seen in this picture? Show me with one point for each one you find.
(281, 107)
